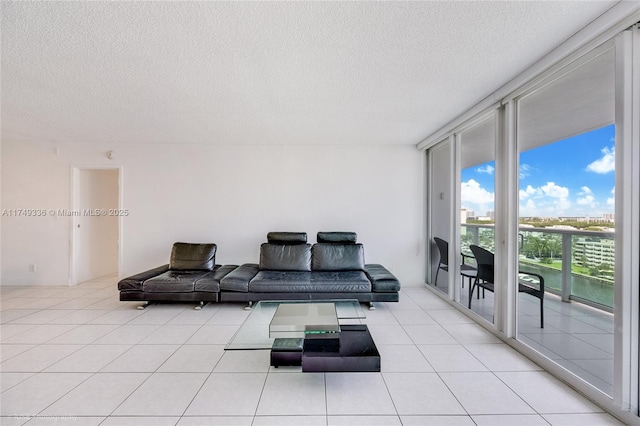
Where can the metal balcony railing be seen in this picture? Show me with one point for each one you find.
(577, 265)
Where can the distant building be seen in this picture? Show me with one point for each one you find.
(608, 217)
(594, 251)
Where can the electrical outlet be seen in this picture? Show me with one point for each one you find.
(32, 267)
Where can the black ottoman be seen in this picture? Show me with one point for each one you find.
(356, 352)
(286, 352)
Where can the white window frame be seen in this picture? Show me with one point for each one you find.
(627, 273)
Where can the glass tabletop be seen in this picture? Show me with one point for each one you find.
(294, 320)
(254, 332)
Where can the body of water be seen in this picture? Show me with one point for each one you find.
(584, 287)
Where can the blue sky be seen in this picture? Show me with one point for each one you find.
(571, 177)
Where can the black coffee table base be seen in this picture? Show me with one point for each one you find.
(286, 352)
(356, 353)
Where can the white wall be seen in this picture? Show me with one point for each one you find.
(34, 178)
(230, 195)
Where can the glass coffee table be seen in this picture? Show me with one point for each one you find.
(292, 322)
(320, 336)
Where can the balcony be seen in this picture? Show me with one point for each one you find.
(585, 277)
(578, 309)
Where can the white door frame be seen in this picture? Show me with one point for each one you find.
(73, 223)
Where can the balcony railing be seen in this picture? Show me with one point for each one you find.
(577, 265)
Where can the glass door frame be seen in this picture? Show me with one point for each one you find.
(455, 250)
(627, 272)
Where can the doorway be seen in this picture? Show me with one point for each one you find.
(96, 223)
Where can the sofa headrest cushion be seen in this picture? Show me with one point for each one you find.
(337, 257)
(337, 237)
(285, 257)
(287, 237)
(187, 256)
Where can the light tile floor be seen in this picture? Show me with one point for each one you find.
(79, 356)
(576, 336)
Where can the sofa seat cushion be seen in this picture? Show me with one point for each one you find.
(210, 282)
(280, 281)
(309, 282)
(238, 279)
(337, 257)
(173, 282)
(340, 281)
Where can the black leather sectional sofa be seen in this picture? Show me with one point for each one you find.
(289, 269)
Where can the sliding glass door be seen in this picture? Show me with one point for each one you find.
(477, 144)
(566, 140)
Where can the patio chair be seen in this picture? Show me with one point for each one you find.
(484, 279)
(466, 270)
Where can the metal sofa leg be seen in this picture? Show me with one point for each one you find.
(248, 307)
(199, 307)
(372, 306)
(141, 307)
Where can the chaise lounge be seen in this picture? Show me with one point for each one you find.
(191, 276)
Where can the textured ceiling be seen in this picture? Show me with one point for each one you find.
(264, 72)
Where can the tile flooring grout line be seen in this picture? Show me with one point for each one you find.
(195, 395)
(65, 394)
(326, 399)
(149, 375)
(437, 373)
(264, 384)
(386, 386)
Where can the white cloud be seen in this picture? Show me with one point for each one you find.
(555, 191)
(530, 191)
(587, 198)
(471, 192)
(561, 205)
(529, 208)
(525, 170)
(488, 169)
(612, 200)
(585, 190)
(605, 164)
(550, 200)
